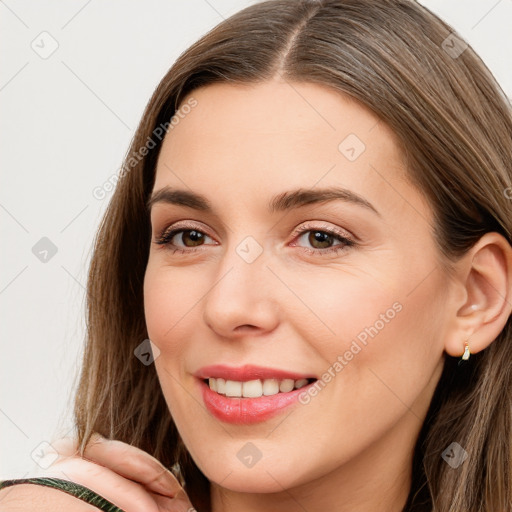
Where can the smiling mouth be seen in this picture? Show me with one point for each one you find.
(254, 388)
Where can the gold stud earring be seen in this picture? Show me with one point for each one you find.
(467, 353)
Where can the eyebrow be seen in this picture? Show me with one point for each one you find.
(280, 203)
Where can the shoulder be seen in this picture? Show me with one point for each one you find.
(27, 497)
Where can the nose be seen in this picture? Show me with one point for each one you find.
(242, 299)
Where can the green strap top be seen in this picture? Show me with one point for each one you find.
(77, 490)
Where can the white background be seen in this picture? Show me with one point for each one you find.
(66, 123)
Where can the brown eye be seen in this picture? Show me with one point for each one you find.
(191, 237)
(320, 239)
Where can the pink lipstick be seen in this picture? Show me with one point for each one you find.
(250, 394)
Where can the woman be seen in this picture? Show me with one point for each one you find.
(313, 227)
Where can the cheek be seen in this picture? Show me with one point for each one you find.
(331, 307)
(392, 350)
(168, 303)
(383, 336)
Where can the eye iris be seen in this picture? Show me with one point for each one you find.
(196, 237)
(320, 237)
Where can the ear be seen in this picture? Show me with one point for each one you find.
(484, 295)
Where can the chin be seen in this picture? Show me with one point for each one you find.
(263, 477)
(249, 481)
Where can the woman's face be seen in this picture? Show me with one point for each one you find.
(262, 286)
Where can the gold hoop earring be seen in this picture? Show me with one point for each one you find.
(467, 353)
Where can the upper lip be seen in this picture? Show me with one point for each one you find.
(248, 372)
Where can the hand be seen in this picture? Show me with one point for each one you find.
(123, 474)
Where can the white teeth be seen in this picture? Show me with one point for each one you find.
(233, 388)
(286, 385)
(212, 383)
(270, 387)
(221, 386)
(300, 383)
(254, 388)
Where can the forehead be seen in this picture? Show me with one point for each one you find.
(277, 135)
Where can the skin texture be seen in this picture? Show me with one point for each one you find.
(350, 448)
(25, 497)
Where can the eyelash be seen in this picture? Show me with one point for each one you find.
(166, 236)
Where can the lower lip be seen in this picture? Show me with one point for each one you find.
(246, 411)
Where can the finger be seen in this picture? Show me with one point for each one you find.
(180, 503)
(133, 463)
(126, 494)
(65, 446)
(107, 453)
(127, 460)
(68, 446)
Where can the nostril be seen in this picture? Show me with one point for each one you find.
(245, 327)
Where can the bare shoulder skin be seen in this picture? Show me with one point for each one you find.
(29, 497)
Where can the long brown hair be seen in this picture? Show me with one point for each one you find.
(454, 125)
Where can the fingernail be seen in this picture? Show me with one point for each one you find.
(97, 438)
